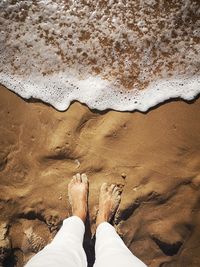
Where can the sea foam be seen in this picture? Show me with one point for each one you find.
(122, 55)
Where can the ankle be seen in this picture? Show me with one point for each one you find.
(101, 218)
(81, 214)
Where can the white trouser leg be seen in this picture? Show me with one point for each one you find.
(111, 251)
(66, 249)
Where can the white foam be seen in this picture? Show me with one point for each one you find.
(100, 94)
(122, 55)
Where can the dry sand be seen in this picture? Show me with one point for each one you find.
(155, 157)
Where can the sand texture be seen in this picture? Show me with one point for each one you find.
(154, 157)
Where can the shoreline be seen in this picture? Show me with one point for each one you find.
(38, 100)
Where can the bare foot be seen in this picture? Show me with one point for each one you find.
(109, 200)
(78, 194)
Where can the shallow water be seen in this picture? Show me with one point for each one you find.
(123, 55)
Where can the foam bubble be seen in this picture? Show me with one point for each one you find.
(123, 55)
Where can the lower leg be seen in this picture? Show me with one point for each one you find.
(66, 248)
(78, 194)
(110, 249)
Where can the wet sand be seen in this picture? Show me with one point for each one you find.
(154, 157)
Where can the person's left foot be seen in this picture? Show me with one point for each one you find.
(78, 193)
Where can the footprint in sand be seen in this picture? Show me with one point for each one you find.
(4, 242)
(53, 221)
(35, 241)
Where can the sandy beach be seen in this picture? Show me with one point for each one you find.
(109, 89)
(154, 157)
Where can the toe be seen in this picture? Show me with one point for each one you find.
(78, 177)
(73, 179)
(84, 178)
(111, 188)
(116, 190)
(71, 182)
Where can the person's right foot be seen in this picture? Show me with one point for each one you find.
(109, 200)
(78, 193)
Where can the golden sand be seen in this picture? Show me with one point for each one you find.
(154, 157)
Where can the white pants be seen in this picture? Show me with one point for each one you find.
(66, 249)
